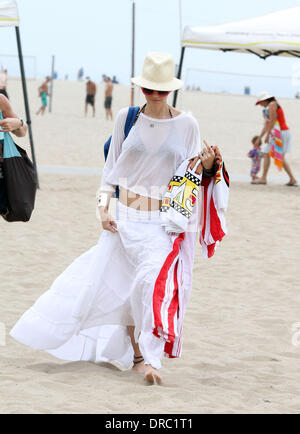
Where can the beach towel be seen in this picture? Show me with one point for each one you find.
(276, 151)
(191, 203)
(179, 202)
(277, 146)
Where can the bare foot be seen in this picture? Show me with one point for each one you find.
(254, 179)
(260, 181)
(139, 365)
(292, 183)
(152, 376)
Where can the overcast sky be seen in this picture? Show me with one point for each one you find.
(96, 34)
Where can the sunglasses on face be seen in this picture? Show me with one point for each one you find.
(151, 91)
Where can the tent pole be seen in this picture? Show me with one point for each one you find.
(180, 20)
(26, 101)
(179, 74)
(133, 53)
(51, 85)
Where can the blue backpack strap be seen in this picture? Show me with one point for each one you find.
(131, 117)
(106, 147)
(132, 114)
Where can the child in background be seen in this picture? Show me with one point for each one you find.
(255, 155)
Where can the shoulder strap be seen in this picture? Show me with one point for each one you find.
(1, 132)
(131, 117)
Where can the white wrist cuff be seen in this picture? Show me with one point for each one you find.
(102, 200)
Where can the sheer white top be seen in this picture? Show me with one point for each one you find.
(147, 160)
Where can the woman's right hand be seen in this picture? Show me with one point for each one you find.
(108, 223)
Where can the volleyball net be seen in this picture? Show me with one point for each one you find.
(11, 63)
(240, 83)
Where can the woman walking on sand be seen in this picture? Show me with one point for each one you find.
(111, 304)
(274, 116)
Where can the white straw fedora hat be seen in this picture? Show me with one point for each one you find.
(263, 97)
(158, 73)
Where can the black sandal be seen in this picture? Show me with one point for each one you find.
(139, 361)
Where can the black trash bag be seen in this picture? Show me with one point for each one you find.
(20, 180)
(3, 197)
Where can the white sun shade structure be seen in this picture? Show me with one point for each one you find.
(9, 17)
(275, 34)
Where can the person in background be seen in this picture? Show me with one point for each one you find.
(9, 122)
(91, 90)
(43, 93)
(255, 155)
(3, 82)
(80, 74)
(272, 113)
(108, 98)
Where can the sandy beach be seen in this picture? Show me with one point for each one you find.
(238, 355)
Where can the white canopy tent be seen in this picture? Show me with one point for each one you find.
(275, 34)
(9, 14)
(9, 17)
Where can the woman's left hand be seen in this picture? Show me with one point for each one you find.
(10, 124)
(267, 139)
(207, 156)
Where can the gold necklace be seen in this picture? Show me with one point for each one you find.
(152, 125)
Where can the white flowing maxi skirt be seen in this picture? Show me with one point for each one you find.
(85, 314)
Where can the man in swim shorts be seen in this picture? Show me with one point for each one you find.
(108, 98)
(43, 93)
(91, 90)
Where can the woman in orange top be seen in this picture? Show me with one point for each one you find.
(273, 111)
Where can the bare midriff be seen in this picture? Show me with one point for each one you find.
(140, 203)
